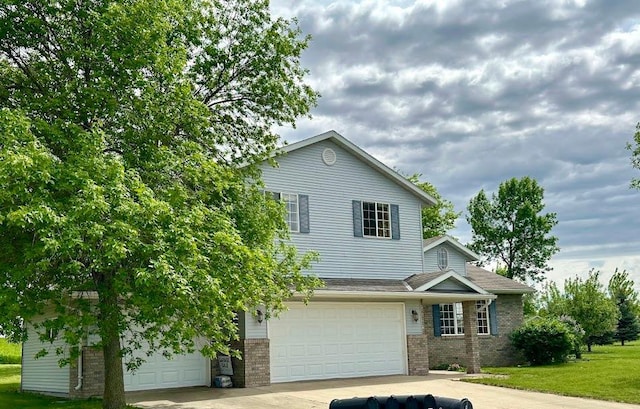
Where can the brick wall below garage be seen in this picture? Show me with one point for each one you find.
(495, 350)
(93, 374)
(254, 369)
(417, 356)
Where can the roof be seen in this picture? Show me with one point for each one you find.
(428, 281)
(495, 283)
(430, 243)
(341, 141)
(354, 284)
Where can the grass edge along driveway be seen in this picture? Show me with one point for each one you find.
(608, 373)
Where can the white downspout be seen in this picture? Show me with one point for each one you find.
(80, 375)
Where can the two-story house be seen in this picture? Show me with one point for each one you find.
(392, 303)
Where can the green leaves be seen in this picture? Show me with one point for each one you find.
(510, 229)
(439, 218)
(130, 138)
(635, 156)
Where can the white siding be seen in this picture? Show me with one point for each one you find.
(43, 374)
(252, 328)
(331, 190)
(457, 262)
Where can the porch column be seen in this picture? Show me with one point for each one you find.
(471, 343)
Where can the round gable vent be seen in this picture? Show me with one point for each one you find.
(329, 156)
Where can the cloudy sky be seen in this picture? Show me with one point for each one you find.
(471, 93)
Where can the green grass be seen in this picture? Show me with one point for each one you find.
(9, 353)
(608, 373)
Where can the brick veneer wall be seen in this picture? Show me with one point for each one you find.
(93, 374)
(417, 356)
(495, 350)
(254, 369)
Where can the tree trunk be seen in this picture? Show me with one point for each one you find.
(588, 346)
(622, 342)
(113, 397)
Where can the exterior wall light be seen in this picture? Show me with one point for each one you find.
(414, 315)
(259, 316)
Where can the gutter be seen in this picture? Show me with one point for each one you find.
(397, 295)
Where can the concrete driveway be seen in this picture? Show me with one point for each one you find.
(318, 394)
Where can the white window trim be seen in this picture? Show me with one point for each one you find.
(445, 254)
(455, 322)
(297, 201)
(362, 203)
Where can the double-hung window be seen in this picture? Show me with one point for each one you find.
(293, 211)
(376, 219)
(452, 323)
(297, 210)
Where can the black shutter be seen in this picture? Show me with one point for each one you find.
(493, 318)
(357, 218)
(303, 204)
(395, 222)
(435, 308)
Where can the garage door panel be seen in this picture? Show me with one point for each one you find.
(158, 372)
(339, 340)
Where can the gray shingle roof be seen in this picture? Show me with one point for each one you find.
(495, 283)
(358, 284)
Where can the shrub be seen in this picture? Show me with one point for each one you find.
(544, 340)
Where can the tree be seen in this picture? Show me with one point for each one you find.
(438, 219)
(625, 297)
(511, 229)
(130, 138)
(635, 156)
(586, 302)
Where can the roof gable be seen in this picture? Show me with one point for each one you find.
(372, 162)
(433, 242)
(445, 280)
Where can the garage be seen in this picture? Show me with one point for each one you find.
(326, 340)
(159, 372)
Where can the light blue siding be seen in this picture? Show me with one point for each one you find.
(331, 191)
(43, 374)
(457, 261)
(413, 327)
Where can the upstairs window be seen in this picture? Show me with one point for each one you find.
(376, 219)
(293, 211)
(443, 259)
(297, 207)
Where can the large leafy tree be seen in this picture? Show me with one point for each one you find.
(511, 228)
(587, 302)
(439, 218)
(130, 202)
(635, 155)
(624, 295)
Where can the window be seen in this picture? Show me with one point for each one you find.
(293, 214)
(297, 208)
(376, 219)
(483, 317)
(451, 318)
(443, 258)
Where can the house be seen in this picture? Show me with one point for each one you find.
(392, 303)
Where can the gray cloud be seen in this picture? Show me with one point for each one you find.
(471, 93)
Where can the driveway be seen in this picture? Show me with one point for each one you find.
(318, 394)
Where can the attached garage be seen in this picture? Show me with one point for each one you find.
(325, 340)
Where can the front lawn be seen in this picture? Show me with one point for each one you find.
(608, 373)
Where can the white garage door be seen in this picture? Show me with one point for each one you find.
(158, 372)
(337, 340)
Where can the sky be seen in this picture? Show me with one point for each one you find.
(472, 93)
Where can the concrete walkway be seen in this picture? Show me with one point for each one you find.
(318, 394)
